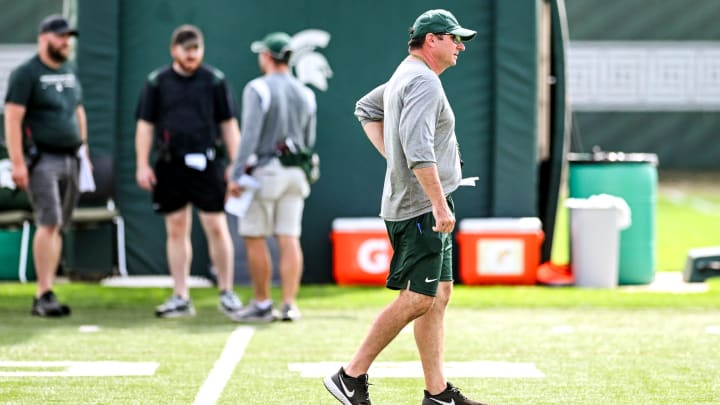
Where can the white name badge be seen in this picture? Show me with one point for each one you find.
(196, 161)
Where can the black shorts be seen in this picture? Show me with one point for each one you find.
(177, 185)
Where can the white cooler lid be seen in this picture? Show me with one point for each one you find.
(358, 224)
(527, 224)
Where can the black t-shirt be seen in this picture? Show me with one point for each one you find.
(186, 110)
(51, 97)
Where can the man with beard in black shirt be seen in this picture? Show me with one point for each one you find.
(45, 126)
(186, 108)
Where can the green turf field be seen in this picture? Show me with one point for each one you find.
(588, 346)
(581, 346)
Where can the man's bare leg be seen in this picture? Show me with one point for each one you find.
(47, 248)
(429, 332)
(179, 249)
(407, 306)
(291, 265)
(260, 266)
(220, 247)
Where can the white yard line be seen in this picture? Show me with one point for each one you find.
(224, 366)
(562, 329)
(700, 205)
(88, 328)
(77, 368)
(667, 282)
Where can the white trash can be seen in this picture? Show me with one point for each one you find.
(595, 225)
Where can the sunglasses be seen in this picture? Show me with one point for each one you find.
(455, 38)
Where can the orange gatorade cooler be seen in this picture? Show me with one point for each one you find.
(361, 251)
(499, 250)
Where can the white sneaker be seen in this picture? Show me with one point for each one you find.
(175, 307)
(290, 312)
(229, 303)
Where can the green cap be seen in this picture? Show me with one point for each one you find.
(440, 22)
(277, 43)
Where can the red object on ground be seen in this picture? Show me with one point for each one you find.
(552, 274)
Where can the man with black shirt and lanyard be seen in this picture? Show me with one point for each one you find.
(185, 108)
(45, 127)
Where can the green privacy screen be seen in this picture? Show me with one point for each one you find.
(19, 20)
(492, 91)
(676, 46)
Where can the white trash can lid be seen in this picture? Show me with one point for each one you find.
(604, 202)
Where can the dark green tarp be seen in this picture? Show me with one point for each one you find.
(492, 91)
(681, 139)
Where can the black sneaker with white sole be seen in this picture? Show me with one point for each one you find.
(254, 314)
(451, 396)
(348, 390)
(48, 306)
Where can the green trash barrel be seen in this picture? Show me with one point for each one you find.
(633, 177)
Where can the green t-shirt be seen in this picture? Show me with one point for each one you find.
(50, 97)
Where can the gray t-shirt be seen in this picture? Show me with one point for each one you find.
(419, 131)
(275, 106)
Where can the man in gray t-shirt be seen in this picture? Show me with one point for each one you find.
(419, 136)
(278, 121)
(410, 122)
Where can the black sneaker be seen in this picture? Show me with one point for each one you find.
(348, 390)
(48, 305)
(451, 396)
(175, 307)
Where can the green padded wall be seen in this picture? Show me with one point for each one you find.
(365, 47)
(681, 139)
(514, 169)
(19, 20)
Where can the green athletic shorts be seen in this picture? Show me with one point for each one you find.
(422, 257)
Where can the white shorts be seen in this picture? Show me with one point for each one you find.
(278, 205)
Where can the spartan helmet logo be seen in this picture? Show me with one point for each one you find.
(310, 66)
